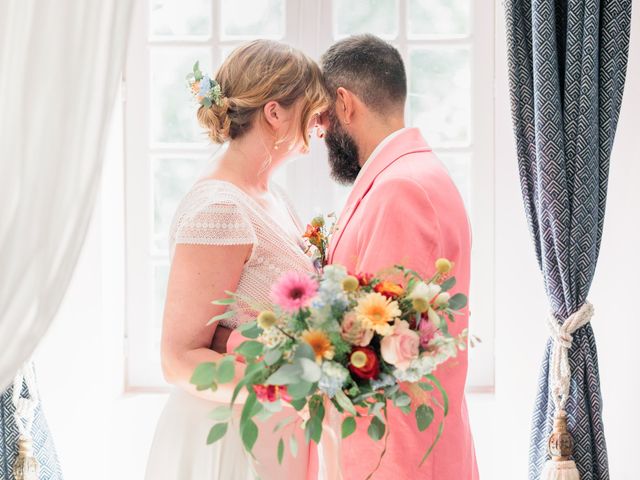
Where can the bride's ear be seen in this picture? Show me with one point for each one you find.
(273, 114)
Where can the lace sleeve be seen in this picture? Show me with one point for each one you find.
(216, 224)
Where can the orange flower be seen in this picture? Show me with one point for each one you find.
(314, 235)
(389, 289)
(320, 343)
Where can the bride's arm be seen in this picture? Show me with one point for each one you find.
(199, 274)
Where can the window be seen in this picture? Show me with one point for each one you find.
(448, 51)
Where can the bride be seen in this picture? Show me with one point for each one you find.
(233, 231)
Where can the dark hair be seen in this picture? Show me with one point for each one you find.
(370, 68)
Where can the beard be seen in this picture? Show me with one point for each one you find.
(343, 152)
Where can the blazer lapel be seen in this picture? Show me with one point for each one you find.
(409, 141)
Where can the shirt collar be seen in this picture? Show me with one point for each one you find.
(377, 150)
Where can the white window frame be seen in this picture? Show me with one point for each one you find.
(142, 372)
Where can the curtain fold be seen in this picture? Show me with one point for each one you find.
(60, 67)
(567, 66)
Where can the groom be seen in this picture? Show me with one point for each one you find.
(403, 209)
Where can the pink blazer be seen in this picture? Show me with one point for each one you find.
(406, 210)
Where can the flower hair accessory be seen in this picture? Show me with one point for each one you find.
(205, 90)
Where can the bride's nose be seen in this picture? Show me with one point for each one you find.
(321, 124)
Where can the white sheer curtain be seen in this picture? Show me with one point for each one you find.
(60, 65)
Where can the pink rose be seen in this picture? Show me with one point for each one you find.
(401, 345)
(354, 332)
(427, 331)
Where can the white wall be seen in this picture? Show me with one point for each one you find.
(104, 435)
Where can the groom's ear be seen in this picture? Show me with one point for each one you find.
(345, 103)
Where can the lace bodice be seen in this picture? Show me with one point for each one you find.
(216, 212)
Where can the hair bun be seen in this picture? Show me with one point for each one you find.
(215, 119)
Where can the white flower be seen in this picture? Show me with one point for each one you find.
(424, 291)
(333, 377)
(434, 318)
(443, 299)
(334, 274)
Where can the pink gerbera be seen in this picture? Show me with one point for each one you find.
(294, 291)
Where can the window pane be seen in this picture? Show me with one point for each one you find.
(252, 18)
(173, 110)
(172, 178)
(379, 17)
(438, 17)
(160, 278)
(440, 94)
(169, 18)
(459, 166)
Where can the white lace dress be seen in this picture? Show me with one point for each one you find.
(215, 212)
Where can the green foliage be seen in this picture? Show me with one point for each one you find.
(376, 429)
(217, 432)
(424, 417)
(226, 369)
(250, 349)
(348, 426)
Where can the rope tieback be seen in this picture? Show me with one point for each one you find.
(560, 442)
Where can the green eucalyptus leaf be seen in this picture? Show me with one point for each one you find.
(250, 330)
(348, 426)
(284, 422)
(402, 400)
(458, 301)
(223, 316)
(299, 390)
(217, 432)
(286, 374)
(345, 402)
(250, 349)
(443, 392)
(448, 284)
(204, 375)
(272, 356)
(247, 409)
(221, 413)
(293, 445)
(226, 369)
(249, 434)
(424, 417)
(435, 441)
(304, 350)
(376, 429)
(280, 450)
(311, 371)
(298, 403)
(224, 301)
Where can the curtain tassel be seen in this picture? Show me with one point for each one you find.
(26, 466)
(560, 467)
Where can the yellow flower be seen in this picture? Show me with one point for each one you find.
(350, 284)
(443, 265)
(376, 311)
(320, 343)
(267, 319)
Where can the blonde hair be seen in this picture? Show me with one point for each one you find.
(253, 75)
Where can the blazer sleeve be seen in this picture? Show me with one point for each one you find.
(399, 226)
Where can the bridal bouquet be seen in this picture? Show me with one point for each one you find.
(356, 343)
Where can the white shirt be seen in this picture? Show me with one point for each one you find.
(377, 150)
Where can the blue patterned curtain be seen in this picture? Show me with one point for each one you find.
(43, 447)
(567, 65)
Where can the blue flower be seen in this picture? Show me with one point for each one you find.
(205, 86)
